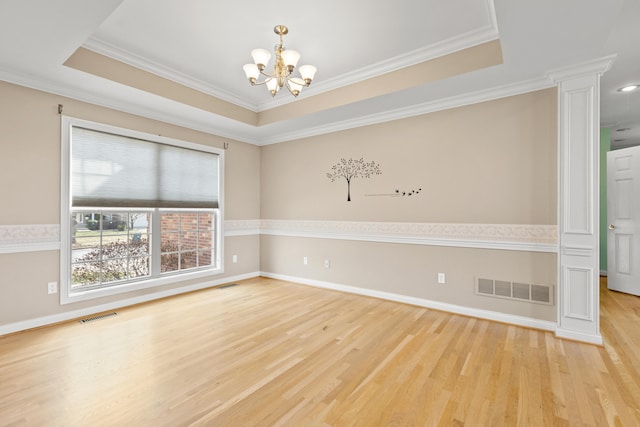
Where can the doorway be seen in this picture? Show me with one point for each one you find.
(623, 218)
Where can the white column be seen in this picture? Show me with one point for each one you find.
(578, 200)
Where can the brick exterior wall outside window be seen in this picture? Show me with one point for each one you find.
(186, 240)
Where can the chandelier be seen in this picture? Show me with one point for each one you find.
(286, 61)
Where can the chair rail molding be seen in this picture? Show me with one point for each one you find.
(29, 238)
(516, 237)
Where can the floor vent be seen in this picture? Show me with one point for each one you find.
(539, 294)
(230, 285)
(98, 317)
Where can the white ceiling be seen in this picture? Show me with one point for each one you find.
(204, 43)
(622, 110)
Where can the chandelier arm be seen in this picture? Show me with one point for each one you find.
(257, 83)
(289, 88)
(291, 91)
(288, 78)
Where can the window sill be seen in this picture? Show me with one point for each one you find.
(67, 297)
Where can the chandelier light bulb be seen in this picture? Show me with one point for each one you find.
(261, 57)
(290, 58)
(295, 85)
(308, 72)
(272, 85)
(252, 72)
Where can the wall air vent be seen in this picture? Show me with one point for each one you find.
(539, 294)
(98, 317)
(502, 289)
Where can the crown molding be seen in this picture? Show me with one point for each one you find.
(550, 79)
(416, 110)
(122, 55)
(38, 83)
(444, 47)
(41, 84)
(491, 11)
(594, 66)
(427, 53)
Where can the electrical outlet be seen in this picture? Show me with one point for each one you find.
(52, 287)
(327, 263)
(441, 278)
(305, 261)
(234, 258)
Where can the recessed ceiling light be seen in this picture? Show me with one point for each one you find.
(628, 88)
(623, 129)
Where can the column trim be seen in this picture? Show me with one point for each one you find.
(578, 199)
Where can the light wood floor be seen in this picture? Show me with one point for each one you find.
(271, 353)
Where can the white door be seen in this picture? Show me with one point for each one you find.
(623, 216)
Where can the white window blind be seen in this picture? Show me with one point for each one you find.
(110, 170)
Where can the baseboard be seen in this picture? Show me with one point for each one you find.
(421, 302)
(75, 314)
(603, 273)
(579, 336)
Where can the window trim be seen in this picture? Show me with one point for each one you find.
(66, 294)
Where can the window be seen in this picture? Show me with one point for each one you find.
(143, 210)
(185, 240)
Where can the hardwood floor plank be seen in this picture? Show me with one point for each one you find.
(273, 353)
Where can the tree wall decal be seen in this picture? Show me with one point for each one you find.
(351, 169)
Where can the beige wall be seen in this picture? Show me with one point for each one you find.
(493, 162)
(24, 278)
(489, 163)
(412, 270)
(30, 191)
